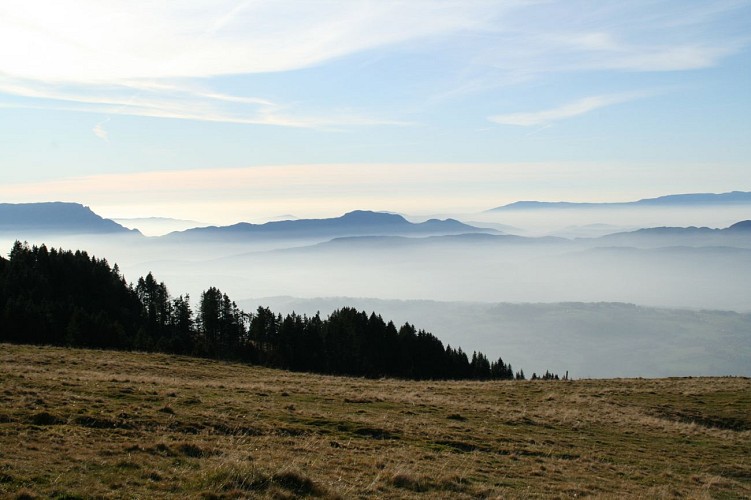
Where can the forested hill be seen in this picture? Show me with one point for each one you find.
(58, 297)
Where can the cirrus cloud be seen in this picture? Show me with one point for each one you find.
(168, 59)
(569, 110)
(106, 41)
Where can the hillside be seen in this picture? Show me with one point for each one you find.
(83, 423)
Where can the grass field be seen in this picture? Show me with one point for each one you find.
(84, 423)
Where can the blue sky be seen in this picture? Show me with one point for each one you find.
(240, 110)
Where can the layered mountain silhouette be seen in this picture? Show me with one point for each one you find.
(744, 225)
(673, 200)
(738, 234)
(356, 223)
(56, 218)
(74, 218)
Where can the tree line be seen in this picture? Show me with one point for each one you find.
(66, 298)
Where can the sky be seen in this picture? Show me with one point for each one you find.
(222, 111)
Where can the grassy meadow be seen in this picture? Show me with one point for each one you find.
(97, 424)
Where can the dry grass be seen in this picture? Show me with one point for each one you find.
(82, 424)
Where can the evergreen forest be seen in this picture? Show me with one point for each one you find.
(66, 298)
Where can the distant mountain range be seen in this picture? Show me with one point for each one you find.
(674, 200)
(738, 234)
(371, 254)
(74, 218)
(356, 223)
(738, 227)
(56, 218)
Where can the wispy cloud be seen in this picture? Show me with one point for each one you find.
(100, 132)
(602, 52)
(569, 110)
(540, 40)
(107, 57)
(162, 100)
(106, 41)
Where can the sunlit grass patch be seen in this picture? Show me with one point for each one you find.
(92, 424)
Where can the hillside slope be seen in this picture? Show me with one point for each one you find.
(78, 423)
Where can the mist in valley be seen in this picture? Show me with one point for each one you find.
(584, 221)
(599, 340)
(645, 303)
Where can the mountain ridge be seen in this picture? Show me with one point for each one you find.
(57, 217)
(354, 223)
(699, 199)
(75, 218)
(738, 234)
